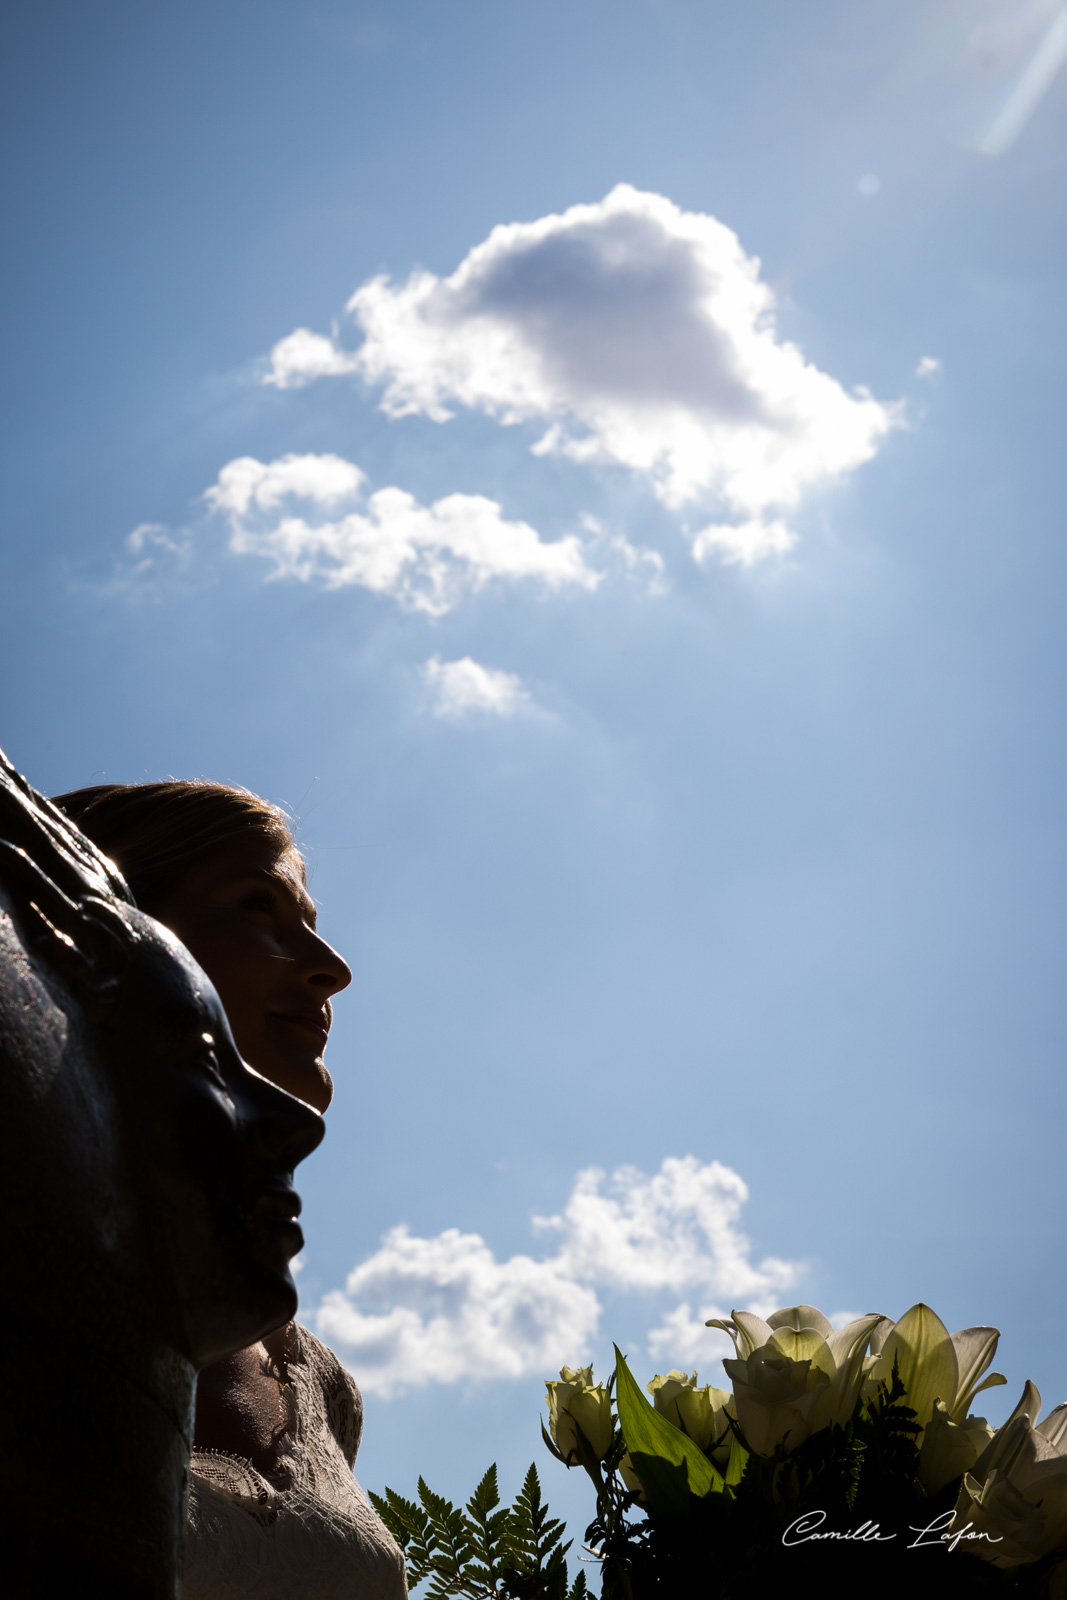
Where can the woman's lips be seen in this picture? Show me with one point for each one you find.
(310, 1022)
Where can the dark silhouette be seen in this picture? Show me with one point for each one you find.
(151, 1217)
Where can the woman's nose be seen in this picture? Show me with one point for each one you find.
(324, 968)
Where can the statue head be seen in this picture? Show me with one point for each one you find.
(152, 1168)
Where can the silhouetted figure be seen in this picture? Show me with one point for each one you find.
(152, 1216)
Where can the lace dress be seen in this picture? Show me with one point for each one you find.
(307, 1532)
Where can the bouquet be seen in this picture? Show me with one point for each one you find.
(845, 1456)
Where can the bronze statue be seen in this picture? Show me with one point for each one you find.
(152, 1215)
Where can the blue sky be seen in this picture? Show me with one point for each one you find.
(652, 611)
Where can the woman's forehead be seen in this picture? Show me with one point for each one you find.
(255, 860)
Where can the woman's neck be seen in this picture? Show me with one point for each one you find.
(242, 1404)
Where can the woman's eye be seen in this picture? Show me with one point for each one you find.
(262, 900)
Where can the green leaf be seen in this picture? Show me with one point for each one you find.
(402, 1517)
(485, 1497)
(735, 1467)
(512, 1553)
(551, 1443)
(670, 1466)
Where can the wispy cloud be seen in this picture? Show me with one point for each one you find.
(683, 1340)
(462, 689)
(445, 1309)
(637, 561)
(153, 561)
(640, 333)
(313, 519)
(742, 544)
(298, 513)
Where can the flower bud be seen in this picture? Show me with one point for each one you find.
(700, 1413)
(574, 1403)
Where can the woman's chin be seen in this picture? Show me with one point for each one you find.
(312, 1084)
(303, 1075)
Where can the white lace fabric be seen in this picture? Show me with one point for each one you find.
(307, 1532)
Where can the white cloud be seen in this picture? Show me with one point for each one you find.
(293, 513)
(155, 559)
(465, 686)
(636, 560)
(246, 483)
(149, 534)
(640, 333)
(676, 1229)
(743, 544)
(929, 367)
(445, 1309)
(303, 356)
(682, 1340)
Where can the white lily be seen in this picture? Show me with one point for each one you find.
(950, 1448)
(934, 1364)
(793, 1374)
(1016, 1497)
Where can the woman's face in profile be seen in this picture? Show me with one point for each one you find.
(244, 914)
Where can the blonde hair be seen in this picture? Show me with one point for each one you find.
(154, 832)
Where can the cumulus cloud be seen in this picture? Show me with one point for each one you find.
(299, 513)
(676, 1229)
(446, 1309)
(247, 484)
(641, 334)
(303, 356)
(465, 687)
(929, 367)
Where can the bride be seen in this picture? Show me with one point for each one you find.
(274, 1510)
